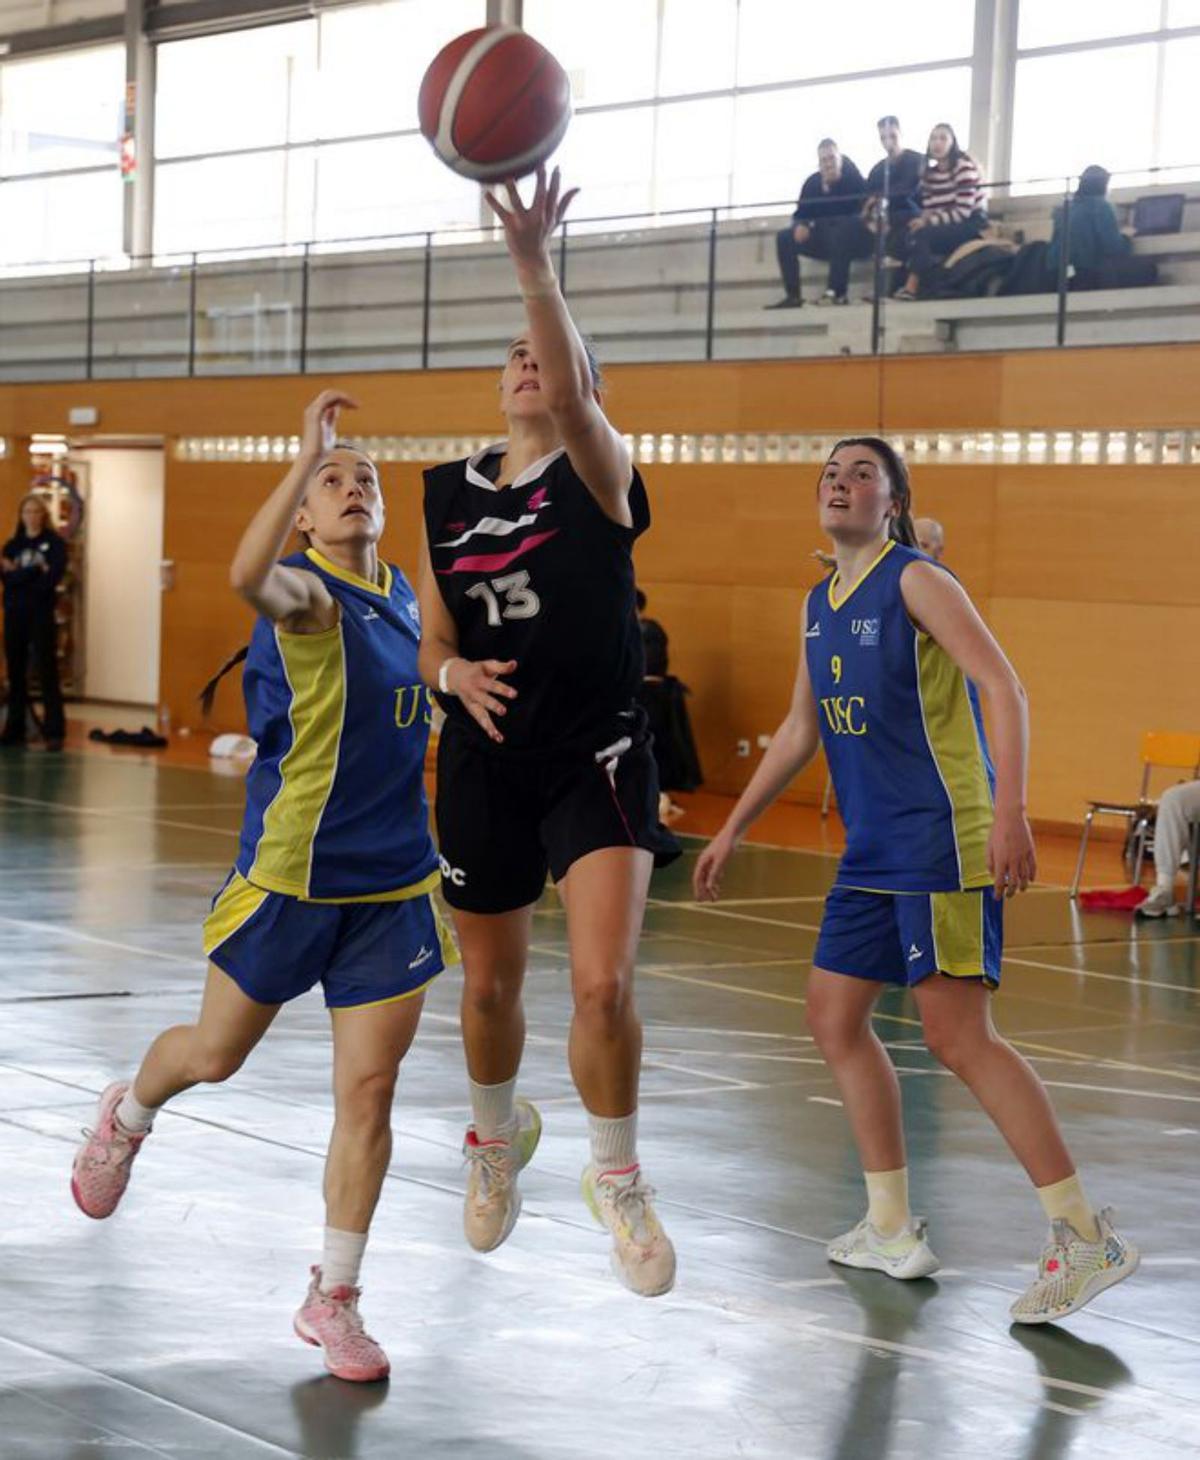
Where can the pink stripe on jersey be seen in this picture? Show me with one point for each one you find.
(494, 562)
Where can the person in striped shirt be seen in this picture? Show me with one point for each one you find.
(953, 207)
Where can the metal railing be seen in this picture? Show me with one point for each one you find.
(600, 262)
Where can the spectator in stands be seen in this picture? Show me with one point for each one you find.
(829, 204)
(1178, 807)
(931, 537)
(1098, 249)
(32, 564)
(898, 175)
(953, 209)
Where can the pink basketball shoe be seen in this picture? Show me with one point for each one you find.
(100, 1172)
(332, 1321)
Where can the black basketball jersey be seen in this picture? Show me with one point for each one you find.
(537, 572)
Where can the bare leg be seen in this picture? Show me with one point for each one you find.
(209, 1051)
(839, 1018)
(495, 949)
(605, 897)
(368, 1045)
(959, 1032)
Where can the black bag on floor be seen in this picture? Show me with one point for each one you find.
(981, 272)
(1030, 272)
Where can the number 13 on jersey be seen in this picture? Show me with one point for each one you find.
(519, 600)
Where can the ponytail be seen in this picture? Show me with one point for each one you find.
(208, 693)
(900, 527)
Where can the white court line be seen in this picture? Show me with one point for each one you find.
(66, 808)
(717, 912)
(824, 1100)
(53, 930)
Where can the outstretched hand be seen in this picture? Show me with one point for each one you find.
(528, 230)
(321, 421)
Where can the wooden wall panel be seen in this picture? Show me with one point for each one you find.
(1099, 535)
(1143, 385)
(1097, 677)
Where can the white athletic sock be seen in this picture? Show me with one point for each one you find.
(341, 1259)
(614, 1142)
(495, 1110)
(134, 1117)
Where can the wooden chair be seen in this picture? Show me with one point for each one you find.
(1161, 750)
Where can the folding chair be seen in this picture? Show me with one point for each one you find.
(1161, 749)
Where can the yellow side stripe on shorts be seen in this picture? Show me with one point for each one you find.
(957, 919)
(236, 905)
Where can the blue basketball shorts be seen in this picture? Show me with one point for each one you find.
(276, 947)
(903, 937)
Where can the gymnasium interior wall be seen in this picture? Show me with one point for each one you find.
(1087, 574)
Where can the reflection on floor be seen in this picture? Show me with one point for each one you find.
(166, 1331)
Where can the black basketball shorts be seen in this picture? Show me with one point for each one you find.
(505, 820)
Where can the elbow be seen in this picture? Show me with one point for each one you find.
(569, 403)
(243, 582)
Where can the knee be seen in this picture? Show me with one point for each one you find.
(213, 1064)
(603, 997)
(834, 1033)
(492, 990)
(950, 1044)
(365, 1101)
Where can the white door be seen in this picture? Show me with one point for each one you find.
(122, 591)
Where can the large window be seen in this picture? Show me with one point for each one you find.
(60, 187)
(305, 131)
(1091, 87)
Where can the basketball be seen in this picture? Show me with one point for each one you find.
(494, 104)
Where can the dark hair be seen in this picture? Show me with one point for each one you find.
(593, 363)
(1093, 182)
(828, 142)
(900, 527)
(955, 150)
(208, 693)
(48, 524)
(888, 121)
(640, 598)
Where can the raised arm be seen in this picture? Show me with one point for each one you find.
(595, 449)
(939, 604)
(792, 747)
(288, 594)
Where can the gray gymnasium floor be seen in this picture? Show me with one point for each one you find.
(167, 1330)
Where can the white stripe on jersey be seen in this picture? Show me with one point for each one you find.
(491, 527)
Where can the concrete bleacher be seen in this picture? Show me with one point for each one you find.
(641, 293)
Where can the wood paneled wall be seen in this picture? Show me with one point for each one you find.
(1087, 574)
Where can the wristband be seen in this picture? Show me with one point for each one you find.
(443, 682)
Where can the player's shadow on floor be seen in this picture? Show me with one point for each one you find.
(329, 1411)
(892, 1310)
(1060, 1355)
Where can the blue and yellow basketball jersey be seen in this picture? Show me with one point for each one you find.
(335, 800)
(903, 736)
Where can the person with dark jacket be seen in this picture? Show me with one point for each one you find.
(32, 564)
(896, 177)
(1098, 251)
(664, 698)
(828, 207)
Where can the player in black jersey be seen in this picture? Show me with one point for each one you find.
(531, 638)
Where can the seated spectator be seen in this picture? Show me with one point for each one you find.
(663, 697)
(953, 210)
(830, 202)
(1177, 809)
(931, 537)
(1099, 254)
(897, 178)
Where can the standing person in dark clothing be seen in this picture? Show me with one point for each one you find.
(828, 206)
(32, 565)
(897, 177)
(664, 699)
(654, 640)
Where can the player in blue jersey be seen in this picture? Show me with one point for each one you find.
(892, 653)
(336, 866)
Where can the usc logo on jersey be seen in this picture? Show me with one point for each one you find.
(409, 700)
(845, 714)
